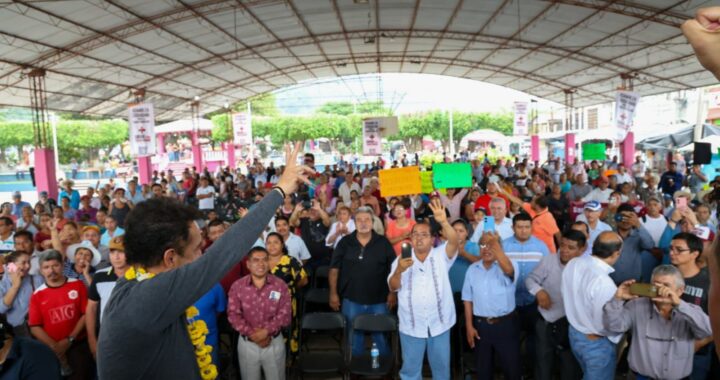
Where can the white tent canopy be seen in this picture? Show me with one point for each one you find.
(183, 126)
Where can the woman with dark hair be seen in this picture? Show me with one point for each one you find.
(149, 321)
(16, 287)
(290, 270)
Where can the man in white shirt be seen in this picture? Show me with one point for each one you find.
(205, 195)
(591, 216)
(623, 176)
(586, 287)
(426, 309)
(638, 171)
(295, 245)
(601, 193)
(654, 221)
(347, 187)
(503, 224)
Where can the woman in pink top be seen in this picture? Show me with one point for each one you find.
(452, 202)
(398, 227)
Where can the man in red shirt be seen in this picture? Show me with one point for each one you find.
(492, 192)
(57, 317)
(259, 307)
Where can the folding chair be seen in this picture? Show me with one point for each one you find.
(361, 365)
(320, 277)
(317, 299)
(326, 360)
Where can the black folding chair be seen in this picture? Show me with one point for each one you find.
(316, 300)
(320, 276)
(361, 365)
(314, 359)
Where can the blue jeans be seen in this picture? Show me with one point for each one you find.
(357, 338)
(702, 362)
(596, 357)
(413, 352)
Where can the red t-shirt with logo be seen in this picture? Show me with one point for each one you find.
(57, 310)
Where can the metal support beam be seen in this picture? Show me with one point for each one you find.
(569, 109)
(38, 105)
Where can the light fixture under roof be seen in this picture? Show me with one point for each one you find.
(360, 1)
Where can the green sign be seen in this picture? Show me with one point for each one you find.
(447, 176)
(593, 152)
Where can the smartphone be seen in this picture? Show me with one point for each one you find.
(681, 203)
(12, 268)
(618, 217)
(489, 224)
(643, 290)
(307, 205)
(406, 251)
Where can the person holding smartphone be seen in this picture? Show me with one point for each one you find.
(16, 287)
(664, 327)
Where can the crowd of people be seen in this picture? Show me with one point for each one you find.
(505, 264)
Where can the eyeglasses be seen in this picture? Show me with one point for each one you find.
(678, 250)
(420, 235)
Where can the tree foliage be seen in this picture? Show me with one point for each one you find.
(346, 128)
(79, 139)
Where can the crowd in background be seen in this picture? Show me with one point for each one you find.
(532, 264)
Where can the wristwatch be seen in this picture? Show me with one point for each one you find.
(71, 339)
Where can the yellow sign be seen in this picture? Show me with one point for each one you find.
(400, 181)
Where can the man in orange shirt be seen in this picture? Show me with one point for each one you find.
(544, 226)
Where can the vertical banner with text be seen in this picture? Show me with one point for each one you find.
(520, 125)
(242, 128)
(372, 144)
(625, 105)
(141, 119)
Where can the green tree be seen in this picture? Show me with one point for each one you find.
(262, 105)
(221, 131)
(336, 108)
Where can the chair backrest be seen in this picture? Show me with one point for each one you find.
(375, 323)
(322, 271)
(323, 321)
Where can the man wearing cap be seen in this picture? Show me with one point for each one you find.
(18, 204)
(100, 289)
(70, 193)
(591, 216)
(47, 203)
(601, 193)
(492, 192)
(671, 181)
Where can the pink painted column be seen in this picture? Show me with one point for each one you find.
(144, 169)
(45, 176)
(197, 152)
(230, 151)
(535, 148)
(628, 150)
(570, 147)
(160, 139)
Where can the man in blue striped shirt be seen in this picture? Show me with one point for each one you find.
(526, 251)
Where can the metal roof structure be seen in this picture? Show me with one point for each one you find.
(95, 52)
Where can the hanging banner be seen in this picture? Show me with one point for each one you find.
(141, 119)
(372, 143)
(242, 128)
(625, 104)
(520, 127)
